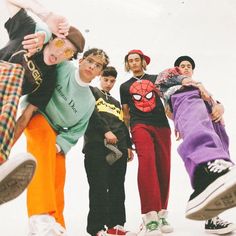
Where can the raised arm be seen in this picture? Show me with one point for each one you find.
(57, 24)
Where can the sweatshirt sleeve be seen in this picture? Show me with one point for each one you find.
(43, 27)
(66, 139)
(99, 122)
(169, 78)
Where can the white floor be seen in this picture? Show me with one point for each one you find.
(164, 30)
(13, 215)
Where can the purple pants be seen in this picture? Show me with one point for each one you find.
(202, 141)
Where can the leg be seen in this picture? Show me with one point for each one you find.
(17, 172)
(42, 194)
(205, 158)
(163, 152)
(59, 188)
(200, 141)
(116, 210)
(10, 92)
(97, 173)
(148, 181)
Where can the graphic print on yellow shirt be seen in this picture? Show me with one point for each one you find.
(103, 106)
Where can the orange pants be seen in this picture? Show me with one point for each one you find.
(45, 194)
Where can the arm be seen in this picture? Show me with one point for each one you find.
(99, 124)
(125, 109)
(57, 24)
(23, 121)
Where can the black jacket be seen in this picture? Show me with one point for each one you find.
(107, 116)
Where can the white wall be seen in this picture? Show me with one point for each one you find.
(164, 30)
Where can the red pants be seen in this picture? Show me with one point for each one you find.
(153, 147)
(45, 194)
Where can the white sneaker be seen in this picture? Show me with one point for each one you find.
(45, 225)
(151, 225)
(15, 175)
(219, 226)
(164, 224)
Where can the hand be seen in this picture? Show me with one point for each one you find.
(188, 82)
(34, 42)
(177, 135)
(168, 112)
(205, 95)
(130, 155)
(217, 112)
(110, 137)
(58, 24)
(58, 148)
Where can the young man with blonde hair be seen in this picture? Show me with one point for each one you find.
(145, 116)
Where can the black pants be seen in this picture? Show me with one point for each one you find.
(106, 193)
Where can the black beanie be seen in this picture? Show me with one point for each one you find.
(185, 58)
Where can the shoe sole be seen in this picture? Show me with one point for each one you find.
(16, 181)
(216, 198)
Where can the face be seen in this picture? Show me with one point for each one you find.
(90, 67)
(186, 68)
(107, 83)
(135, 63)
(58, 50)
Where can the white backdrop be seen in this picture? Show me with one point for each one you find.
(164, 30)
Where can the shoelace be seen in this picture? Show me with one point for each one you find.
(164, 221)
(218, 221)
(152, 225)
(219, 165)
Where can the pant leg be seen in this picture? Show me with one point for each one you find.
(60, 176)
(219, 129)
(97, 174)
(45, 192)
(200, 141)
(148, 179)
(116, 192)
(11, 77)
(221, 132)
(163, 153)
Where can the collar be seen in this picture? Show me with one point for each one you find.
(78, 79)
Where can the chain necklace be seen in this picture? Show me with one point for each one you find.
(139, 78)
(105, 93)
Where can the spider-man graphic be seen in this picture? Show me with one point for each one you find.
(143, 95)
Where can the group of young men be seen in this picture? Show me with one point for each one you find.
(60, 107)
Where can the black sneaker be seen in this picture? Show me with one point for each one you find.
(215, 190)
(219, 226)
